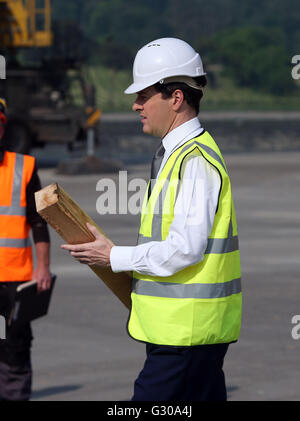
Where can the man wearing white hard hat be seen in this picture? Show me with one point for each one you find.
(186, 290)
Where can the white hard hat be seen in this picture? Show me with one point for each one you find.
(164, 58)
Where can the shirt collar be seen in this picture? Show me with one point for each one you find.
(180, 134)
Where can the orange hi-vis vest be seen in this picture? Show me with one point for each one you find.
(16, 263)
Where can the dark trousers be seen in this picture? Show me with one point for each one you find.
(15, 360)
(182, 374)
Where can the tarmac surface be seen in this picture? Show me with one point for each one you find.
(81, 349)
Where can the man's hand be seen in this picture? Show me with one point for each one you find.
(43, 277)
(94, 253)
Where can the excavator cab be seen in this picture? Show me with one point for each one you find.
(25, 23)
(42, 107)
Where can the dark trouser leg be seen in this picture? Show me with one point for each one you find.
(182, 374)
(15, 362)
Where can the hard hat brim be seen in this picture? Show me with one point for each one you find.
(136, 87)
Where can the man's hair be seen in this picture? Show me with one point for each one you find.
(191, 95)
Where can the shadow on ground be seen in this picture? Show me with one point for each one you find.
(54, 390)
(231, 389)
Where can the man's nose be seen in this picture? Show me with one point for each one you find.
(136, 106)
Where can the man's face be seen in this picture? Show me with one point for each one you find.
(156, 112)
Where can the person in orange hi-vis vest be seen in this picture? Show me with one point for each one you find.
(18, 183)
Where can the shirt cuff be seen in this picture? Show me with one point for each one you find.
(121, 258)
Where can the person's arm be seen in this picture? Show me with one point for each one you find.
(40, 235)
(186, 243)
(42, 270)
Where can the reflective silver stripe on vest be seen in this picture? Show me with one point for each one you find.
(222, 245)
(214, 245)
(15, 242)
(15, 209)
(212, 153)
(157, 214)
(144, 240)
(175, 290)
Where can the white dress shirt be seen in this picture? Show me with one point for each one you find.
(194, 210)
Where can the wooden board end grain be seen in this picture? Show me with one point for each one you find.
(64, 215)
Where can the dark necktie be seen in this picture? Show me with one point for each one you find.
(156, 162)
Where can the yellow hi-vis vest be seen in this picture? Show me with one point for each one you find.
(202, 303)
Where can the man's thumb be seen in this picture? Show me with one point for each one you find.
(93, 230)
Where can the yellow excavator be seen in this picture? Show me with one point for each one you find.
(23, 24)
(43, 101)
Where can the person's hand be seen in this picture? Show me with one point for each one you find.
(95, 253)
(43, 277)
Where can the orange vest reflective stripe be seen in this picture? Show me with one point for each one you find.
(16, 263)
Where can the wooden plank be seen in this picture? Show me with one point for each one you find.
(69, 221)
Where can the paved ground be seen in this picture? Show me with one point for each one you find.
(82, 351)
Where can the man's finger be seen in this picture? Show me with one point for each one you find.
(78, 254)
(74, 247)
(84, 261)
(40, 286)
(94, 231)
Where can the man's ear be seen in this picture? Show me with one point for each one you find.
(178, 99)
